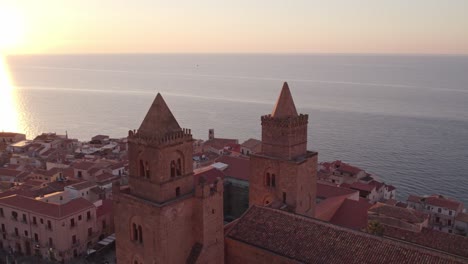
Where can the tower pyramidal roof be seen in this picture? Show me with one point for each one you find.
(285, 106)
(159, 120)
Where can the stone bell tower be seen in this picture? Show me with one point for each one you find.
(160, 217)
(284, 173)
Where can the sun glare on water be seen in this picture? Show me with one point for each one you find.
(11, 35)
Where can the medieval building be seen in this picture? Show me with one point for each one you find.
(164, 215)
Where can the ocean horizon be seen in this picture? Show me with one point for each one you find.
(401, 117)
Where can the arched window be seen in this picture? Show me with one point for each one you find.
(147, 171)
(135, 232)
(142, 168)
(273, 180)
(179, 167)
(173, 169)
(267, 179)
(140, 234)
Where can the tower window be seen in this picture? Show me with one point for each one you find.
(173, 169)
(135, 232)
(284, 197)
(179, 167)
(273, 180)
(142, 168)
(140, 234)
(147, 170)
(177, 191)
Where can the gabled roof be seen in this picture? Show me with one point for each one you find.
(308, 240)
(47, 209)
(352, 214)
(325, 191)
(159, 120)
(285, 106)
(453, 244)
(407, 214)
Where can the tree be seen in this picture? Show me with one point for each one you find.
(375, 227)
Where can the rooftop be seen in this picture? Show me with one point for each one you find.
(309, 240)
(326, 191)
(47, 209)
(238, 167)
(407, 214)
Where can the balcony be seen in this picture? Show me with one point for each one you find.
(49, 228)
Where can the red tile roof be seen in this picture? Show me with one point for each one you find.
(118, 165)
(346, 168)
(82, 185)
(9, 173)
(253, 144)
(440, 201)
(83, 165)
(453, 244)
(309, 240)
(209, 174)
(362, 186)
(352, 214)
(326, 209)
(219, 143)
(101, 178)
(326, 191)
(238, 167)
(407, 214)
(47, 209)
(437, 200)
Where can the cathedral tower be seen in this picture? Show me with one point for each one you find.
(284, 173)
(163, 216)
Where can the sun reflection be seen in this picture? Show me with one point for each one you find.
(8, 112)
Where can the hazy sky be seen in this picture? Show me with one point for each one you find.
(330, 26)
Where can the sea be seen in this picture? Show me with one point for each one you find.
(403, 118)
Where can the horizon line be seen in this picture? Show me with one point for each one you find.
(240, 53)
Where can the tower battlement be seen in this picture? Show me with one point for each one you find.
(168, 139)
(285, 122)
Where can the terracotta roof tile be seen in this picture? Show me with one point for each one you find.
(82, 185)
(209, 174)
(252, 143)
(47, 209)
(352, 214)
(326, 191)
(83, 165)
(219, 143)
(238, 167)
(362, 186)
(408, 214)
(309, 240)
(453, 244)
